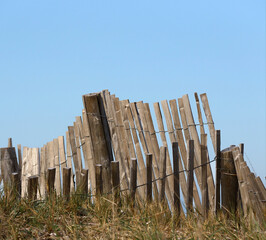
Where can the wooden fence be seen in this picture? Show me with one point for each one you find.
(115, 147)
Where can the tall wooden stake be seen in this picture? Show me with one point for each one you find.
(176, 179)
(190, 176)
(218, 171)
(162, 170)
(133, 178)
(205, 207)
(149, 176)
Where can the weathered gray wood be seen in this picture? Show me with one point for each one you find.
(133, 178)
(229, 183)
(207, 111)
(204, 192)
(8, 161)
(156, 151)
(78, 144)
(202, 131)
(176, 160)
(218, 172)
(66, 182)
(57, 166)
(19, 159)
(99, 180)
(149, 177)
(99, 141)
(77, 164)
(42, 173)
(162, 174)
(51, 176)
(69, 162)
(173, 138)
(195, 137)
(190, 180)
(32, 187)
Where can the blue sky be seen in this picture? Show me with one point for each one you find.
(52, 52)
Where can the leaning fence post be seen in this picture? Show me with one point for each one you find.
(66, 182)
(115, 181)
(162, 171)
(9, 144)
(218, 171)
(205, 207)
(176, 179)
(190, 176)
(50, 180)
(149, 177)
(99, 182)
(32, 187)
(133, 178)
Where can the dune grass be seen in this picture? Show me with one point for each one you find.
(55, 218)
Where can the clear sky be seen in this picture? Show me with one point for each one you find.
(52, 52)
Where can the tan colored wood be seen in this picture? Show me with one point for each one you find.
(83, 187)
(183, 119)
(202, 131)
(77, 164)
(156, 152)
(24, 172)
(238, 158)
(261, 186)
(174, 138)
(99, 141)
(62, 152)
(207, 111)
(124, 104)
(164, 141)
(141, 110)
(19, 158)
(88, 159)
(141, 179)
(9, 144)
(205, 203)
(69, 162)
(15, 182)
(78, 144)
(57, 166)
(195, 137)
(42, 173)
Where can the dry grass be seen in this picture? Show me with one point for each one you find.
(80, 219)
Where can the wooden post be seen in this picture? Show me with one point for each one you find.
(133, 178)
(15, 185)
(115, 181)
(99, 138)
(84, 181)
(241, 146)
(162, 174)
(32, 187)
(218, 171)
(99, 181)
(66, 182)
(9, 165)
(149, 177)
(190, 180)
(176, 179)
(205, 207)
(51, 172)
(9, 144)
(229, 183)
